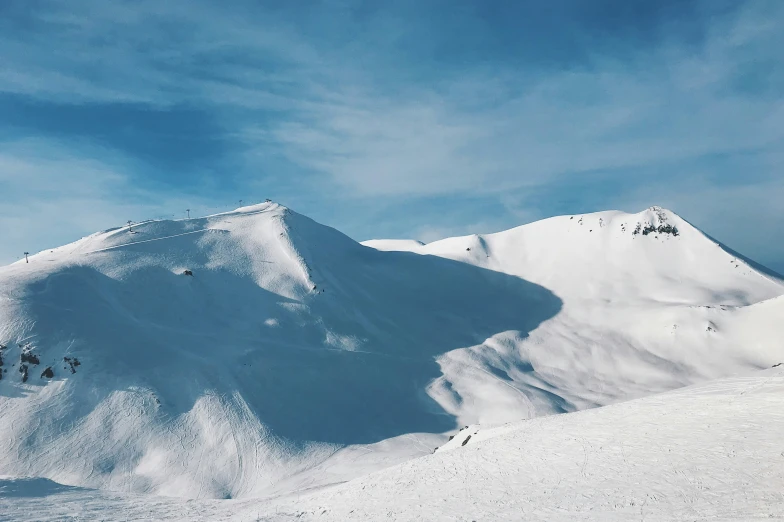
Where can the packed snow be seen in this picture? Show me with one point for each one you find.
(259, 354)
(708, 452)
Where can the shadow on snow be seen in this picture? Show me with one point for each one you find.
(347, 366)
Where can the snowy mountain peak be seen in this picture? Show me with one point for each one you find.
(658, 220)
(612, 255)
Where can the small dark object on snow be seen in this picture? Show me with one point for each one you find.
(48, 373)
(28, 357)
(466, 441)
(661, 229)
(187, 272)
(23, 371)
(73, 362)
(776, 365)
(451, 437)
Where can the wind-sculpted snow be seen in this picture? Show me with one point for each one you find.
(258, 352)
(708, 452)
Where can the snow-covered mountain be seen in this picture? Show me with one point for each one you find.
(649, 303)
(258, 352)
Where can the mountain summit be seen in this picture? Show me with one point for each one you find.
(257, 351)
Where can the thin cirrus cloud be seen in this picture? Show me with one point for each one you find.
(469, 119)
(43, 210)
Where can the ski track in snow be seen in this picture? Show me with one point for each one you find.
(147, 241)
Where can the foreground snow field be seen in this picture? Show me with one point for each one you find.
(258, 354)
(707, 452)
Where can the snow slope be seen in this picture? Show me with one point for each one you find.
(291, 348)
(642, 313)
(707, 452)
(294, 357)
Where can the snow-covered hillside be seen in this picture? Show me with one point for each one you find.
(293, 357)
(708, 452)
(649, 303)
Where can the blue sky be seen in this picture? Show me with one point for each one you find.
(392, 119)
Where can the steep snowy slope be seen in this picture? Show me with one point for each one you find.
(708, 452)
(289, 348)
(294, 357)
(649, 303)
(615, 256)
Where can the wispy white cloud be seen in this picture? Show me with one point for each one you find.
(490, 130)
(349, 121)
(667, 105)
(53, 194)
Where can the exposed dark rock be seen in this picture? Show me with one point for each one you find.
(29, 357)
(48, 373)
(73, 362)
(23, 371)
(661, 229)
(466, 441)
(187, 273)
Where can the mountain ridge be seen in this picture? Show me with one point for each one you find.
(296, 357)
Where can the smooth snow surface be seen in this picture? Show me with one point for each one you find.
(294, 357)
(708, 452)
